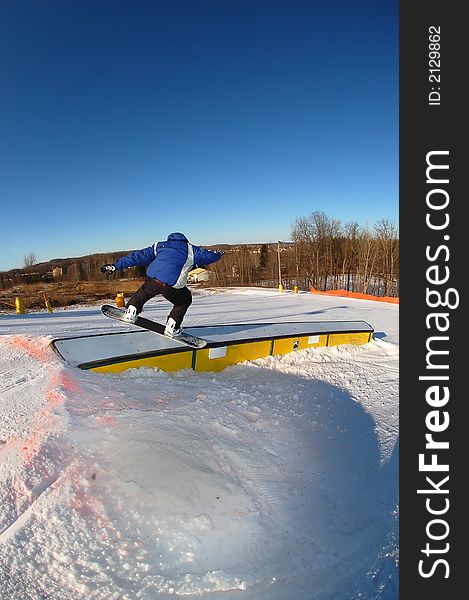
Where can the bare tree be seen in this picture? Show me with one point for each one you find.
(386, 233)
(30, 259)
(351, 233)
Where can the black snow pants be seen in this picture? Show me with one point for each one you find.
(181, 298)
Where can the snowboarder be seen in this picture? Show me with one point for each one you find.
(168, 264)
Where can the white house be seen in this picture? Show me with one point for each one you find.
(198, 275)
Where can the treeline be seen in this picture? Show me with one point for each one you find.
(329, 255)
(324, 254)
(78, 269)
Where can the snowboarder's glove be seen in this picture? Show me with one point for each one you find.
(108, 269)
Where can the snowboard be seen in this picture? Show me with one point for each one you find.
(184, 338)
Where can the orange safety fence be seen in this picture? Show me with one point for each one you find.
(348, 294)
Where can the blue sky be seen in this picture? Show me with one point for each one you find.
(122, 121)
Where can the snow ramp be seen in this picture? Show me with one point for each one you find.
(226, 345)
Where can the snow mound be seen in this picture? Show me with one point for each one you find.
(269, 480)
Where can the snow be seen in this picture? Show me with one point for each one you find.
(273, 479)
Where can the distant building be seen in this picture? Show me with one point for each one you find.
(198, 275)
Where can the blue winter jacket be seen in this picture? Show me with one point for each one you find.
(170, 261)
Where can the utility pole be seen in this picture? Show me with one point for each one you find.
(295, 287)
(280, 286)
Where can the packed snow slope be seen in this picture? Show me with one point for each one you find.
(273, 479)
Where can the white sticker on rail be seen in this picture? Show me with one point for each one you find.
(217, 352)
